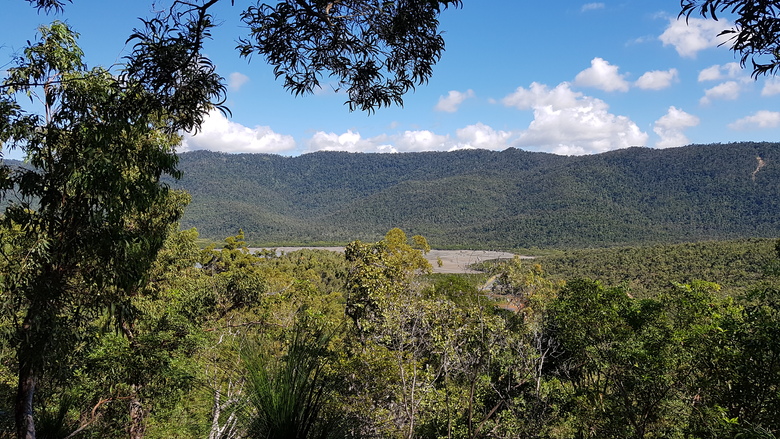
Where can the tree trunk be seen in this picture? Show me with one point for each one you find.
(25, 391)
(137, 426)
(23, 409)
(28, 354)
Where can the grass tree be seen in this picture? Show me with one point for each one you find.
(292, 396)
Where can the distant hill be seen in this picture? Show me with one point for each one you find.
(486, 199)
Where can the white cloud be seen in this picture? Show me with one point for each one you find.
(422, 140)
(710, 74)
(734, 70)
(538, 95)
(670, 128)
(657, 79)
(641, 40)
(771, 87)
(759, 119)
(236, 80)
(693, 35)
(220, 134)
(602, 75)
(592, 7)
(717, 72)
(727, 91)
(452, 101)
(482, 136)
(349, 141)
(407, 141)
(474, 136)
(567, 122)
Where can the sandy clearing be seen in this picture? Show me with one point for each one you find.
(453, 261)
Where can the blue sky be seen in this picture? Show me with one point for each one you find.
(567, 77)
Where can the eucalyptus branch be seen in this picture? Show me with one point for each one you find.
(95, 415)
(324, 17)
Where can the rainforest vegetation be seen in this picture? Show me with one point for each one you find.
(511, 199)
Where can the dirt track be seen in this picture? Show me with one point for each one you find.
(453, 261)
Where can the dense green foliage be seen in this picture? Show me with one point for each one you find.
(315, 344)
(86, 218)
(115, 324)
(486, 199)
(736, 265)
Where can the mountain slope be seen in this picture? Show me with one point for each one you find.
(480, 198)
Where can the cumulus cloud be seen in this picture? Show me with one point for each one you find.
(602, 75)
(474, 136)
(421, 140)
(407, 141)
(759, 119)
(670, 128)
(727, 91)
(236, 80)
(710, 74)
(452, 101)
(693, 35)
(349, 141)
(481, 136)
(220, 134)
(771, 87)
(717, 72)
(657, 79)
(568, 122)
(592, 6)
(539, 95)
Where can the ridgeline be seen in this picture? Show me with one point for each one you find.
(512, 199)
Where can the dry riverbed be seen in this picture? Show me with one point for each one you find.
(452, 261)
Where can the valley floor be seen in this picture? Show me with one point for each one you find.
(452, 261)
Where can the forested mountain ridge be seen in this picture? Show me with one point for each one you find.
(479, 198)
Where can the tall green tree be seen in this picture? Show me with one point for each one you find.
(636, 368)
(89, 214)
(378, 272)
(740, 370)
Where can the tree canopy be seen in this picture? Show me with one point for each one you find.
(755, 36)
(85, 220)
(375, 50)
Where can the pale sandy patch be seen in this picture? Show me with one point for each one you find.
(453, 261)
